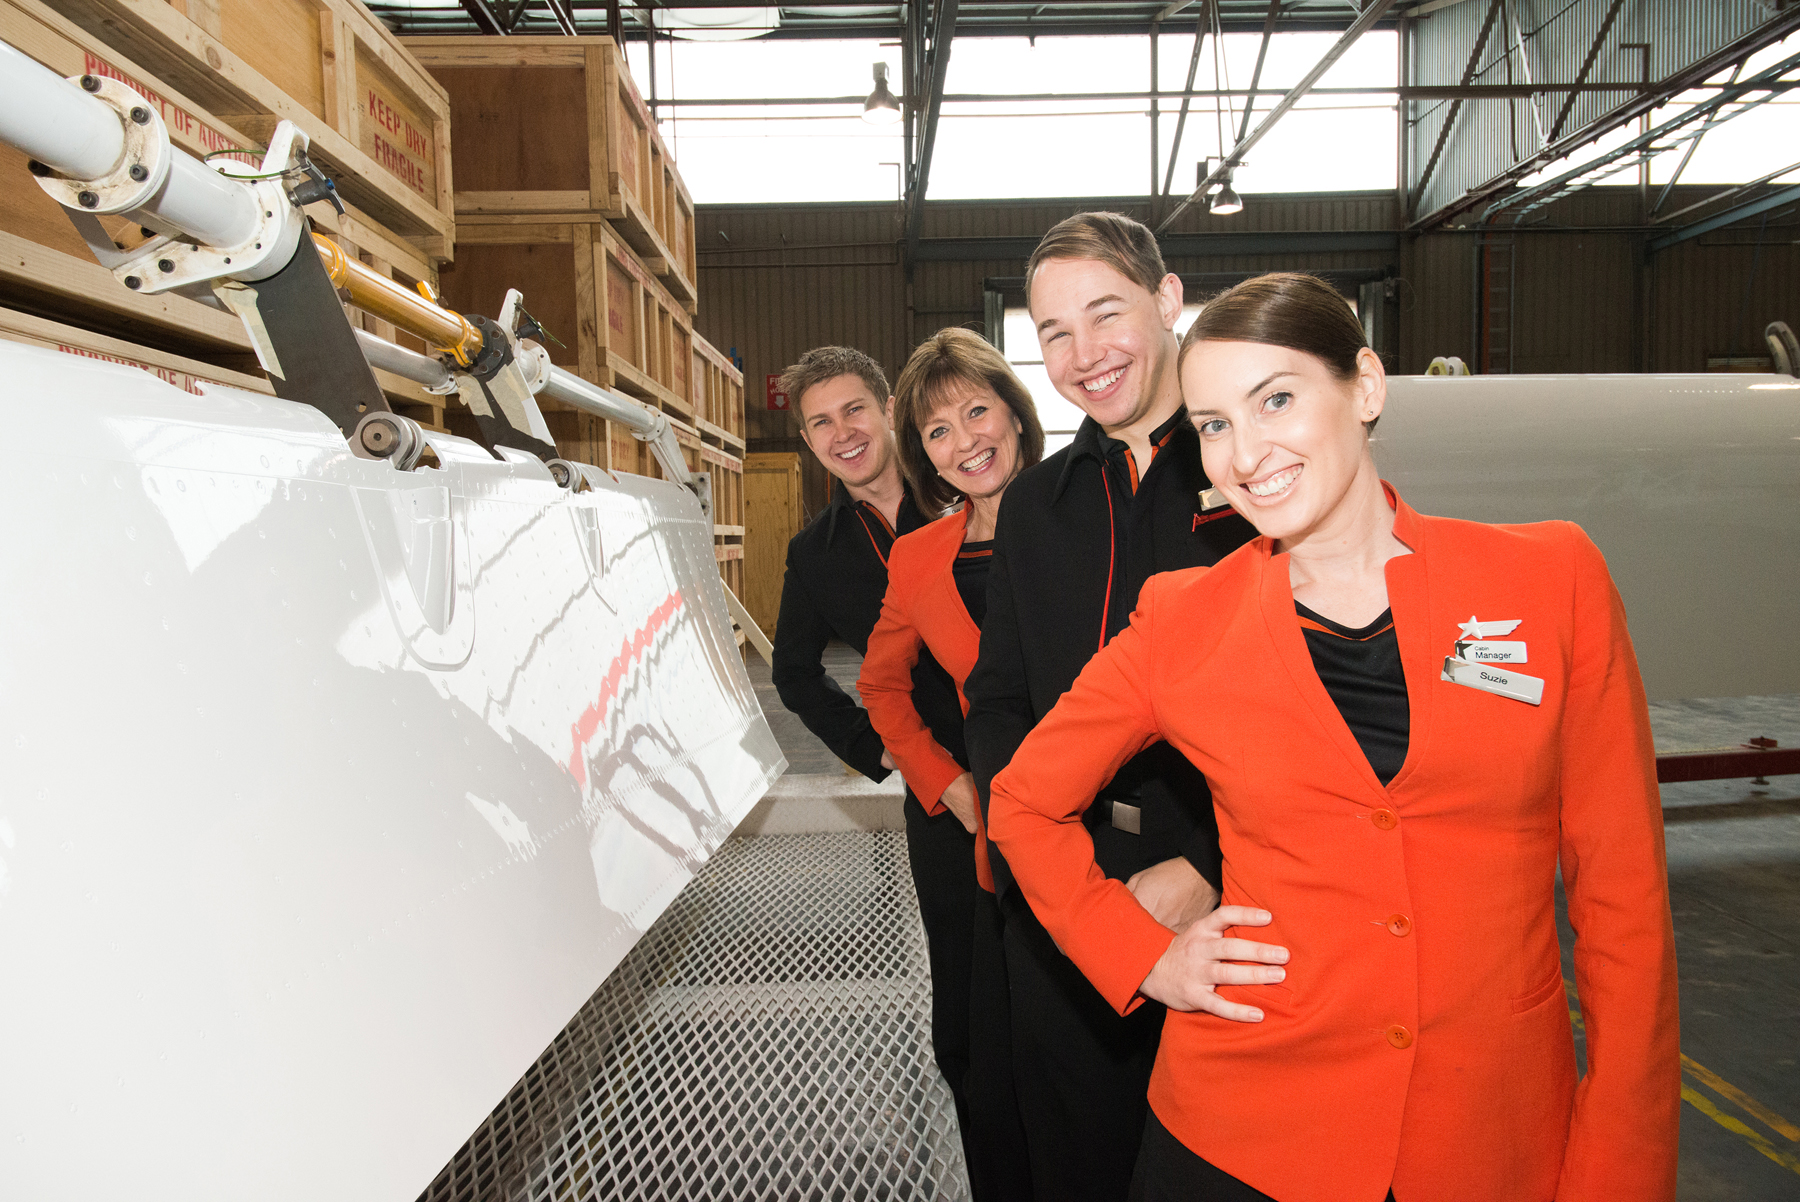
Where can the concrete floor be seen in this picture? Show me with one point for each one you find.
(1734, 886)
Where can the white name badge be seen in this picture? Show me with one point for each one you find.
(1491, 651)
(1489, 679)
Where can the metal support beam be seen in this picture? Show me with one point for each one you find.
(1373, 13)
(1468, 77)
(1187, 99)
(1688, 155)
(1587, 64)
(1541, 194)
(1696, 75)
(943, 32)
(485, 18)
(560, 10)
(1750, 208)
(1262, 53)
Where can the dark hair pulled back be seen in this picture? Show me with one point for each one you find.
(1288, 309)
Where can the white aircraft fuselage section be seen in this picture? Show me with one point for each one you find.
(331, 791)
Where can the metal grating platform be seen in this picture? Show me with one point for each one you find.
(768, 1038)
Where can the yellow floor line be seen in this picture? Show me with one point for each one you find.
(1703, 1104)
(1744, 1101)
(1731, 1093)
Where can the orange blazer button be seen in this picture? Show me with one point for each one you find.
(1399, 1036)
(1385, 820)
(1400, 925)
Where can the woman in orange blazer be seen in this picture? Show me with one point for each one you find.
(966, 427)
(1407, 723)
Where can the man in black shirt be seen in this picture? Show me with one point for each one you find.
(836, 578)
(1077, 537)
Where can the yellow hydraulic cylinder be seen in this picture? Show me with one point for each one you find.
(378, 296)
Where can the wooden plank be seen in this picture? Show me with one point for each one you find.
(177, 370)
(594, 105)
(520, 235)
(517, 203)
(772, 516)
(337, 57)
(279, 39)
(535, 50)
(589, 303)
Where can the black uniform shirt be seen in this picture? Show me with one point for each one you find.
(836, 578)
(1362, 672)
(1077, 536)
(970, 570)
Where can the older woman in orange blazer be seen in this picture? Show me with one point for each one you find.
(1408, 723)
(966, 426)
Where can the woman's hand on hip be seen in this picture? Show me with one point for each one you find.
(960, 799)
(1202, 958)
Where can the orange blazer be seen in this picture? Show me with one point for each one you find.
(922, 608)
(1422, 1037)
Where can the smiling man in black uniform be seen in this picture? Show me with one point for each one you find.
(836, 578)
(1077, 537)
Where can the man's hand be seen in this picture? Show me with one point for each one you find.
(960, 799)
(1174, 892)
(1199, 960)
(887, 761)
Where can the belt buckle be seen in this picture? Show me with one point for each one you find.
(1127, 818)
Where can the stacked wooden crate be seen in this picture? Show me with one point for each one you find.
(566, 191)
(222, 73)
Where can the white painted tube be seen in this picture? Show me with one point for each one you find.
(571, 389)
(212, 209)
(409, 365)
(55, 122)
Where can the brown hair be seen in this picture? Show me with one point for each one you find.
(949, 357)
(1288, 309)
(1125, 245)
(824, 363)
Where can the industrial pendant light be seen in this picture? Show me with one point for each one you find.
(1225, 202)
(881, 108)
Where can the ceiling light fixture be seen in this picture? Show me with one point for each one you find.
(881, 108)
(716, 24)
(1223, 200)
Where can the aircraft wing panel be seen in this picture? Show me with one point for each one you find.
(331, 791)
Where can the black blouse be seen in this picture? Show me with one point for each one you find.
(1361, 670)
(971, 572)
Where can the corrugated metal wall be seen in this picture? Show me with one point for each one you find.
(784, 279)
(1538, 40)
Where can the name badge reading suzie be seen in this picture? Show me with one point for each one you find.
(1490, 679)
(1478, 654)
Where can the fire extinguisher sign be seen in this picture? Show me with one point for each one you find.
(777, 398)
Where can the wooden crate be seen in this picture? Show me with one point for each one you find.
(618, 326)
(773, 513)
(379, 124)
(552, 128)
(718, 397)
